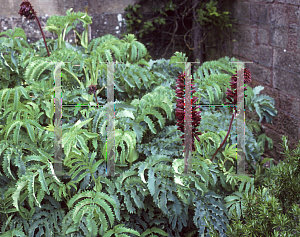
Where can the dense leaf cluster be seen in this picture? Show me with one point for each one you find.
(150, 194)
(274, 208)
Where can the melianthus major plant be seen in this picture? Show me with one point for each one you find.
(148, 144)
(196, 118)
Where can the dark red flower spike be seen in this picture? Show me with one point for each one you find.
(28, 11)
(232, 93)
(180, 110)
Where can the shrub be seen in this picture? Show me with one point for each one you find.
(152, 194)
(274, 208)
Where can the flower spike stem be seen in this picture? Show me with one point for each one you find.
(96, 100)
(42, 34)
(28, 11)
(232, 97)
(224, 138)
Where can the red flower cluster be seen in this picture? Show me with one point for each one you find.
(180, 112)
(27, 10)
(232, 94)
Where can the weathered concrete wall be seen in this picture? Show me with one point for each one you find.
(268, 34)
(107, 16)
(102, 25)
(10, 8)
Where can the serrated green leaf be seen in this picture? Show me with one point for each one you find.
(241, 187)
(150, 123)
(5, 64)
(43, 181)
(82, 143)
(231, 198)
(95, 166)
(210, 95)
(17, 134)
(247, 187)
(238, 210)
(30, 131)
(80, 124)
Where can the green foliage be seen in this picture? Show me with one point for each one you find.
(10, 47)
(211, 80)
(132, 17)
(59, 26)
(213, 205)
(151, 196)
(263, 104)
(269, 211)
(287, 177)
(169, 20)
(209, 14)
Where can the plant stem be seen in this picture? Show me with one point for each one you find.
(42, 34)
(90, 130)
(96, 100)
(224, 138)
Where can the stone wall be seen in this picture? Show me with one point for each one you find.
(268, 34)
(10, 8)
(107, 16)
